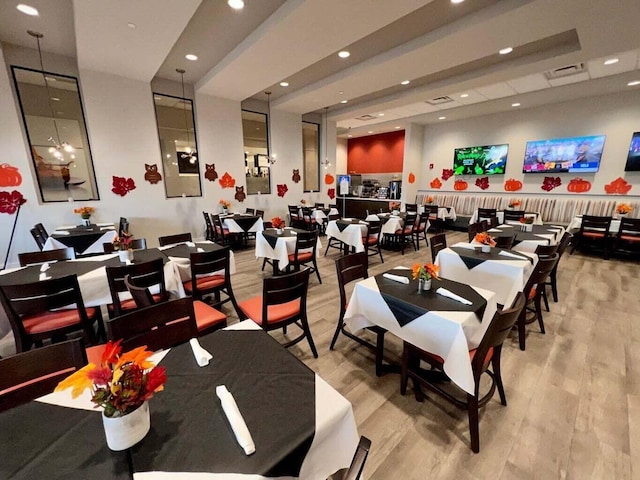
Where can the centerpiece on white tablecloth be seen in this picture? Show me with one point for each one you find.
(225, 205)
(485, 240)
(623, 209)
(85, 214)
(424, 273)
(122, 384)
(513, 204)
(428, 200)
(527, 224)
(278, 224)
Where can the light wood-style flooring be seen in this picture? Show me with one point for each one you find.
(572, 395)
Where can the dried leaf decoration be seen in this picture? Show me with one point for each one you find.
(549, 183)
(436, 183)
(9, 176)
(282, 189)
(412, 178)
(618, 186)
(122, 186)
(447, 173)
(482, 183)
(10, 201)
(329, 179)
(227, 181)
(332, 193)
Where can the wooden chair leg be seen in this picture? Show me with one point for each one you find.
(474, 429)
(554, 286)
(404, 374)
(497, 372)
(337, 332)
(379, 353)
(544, 298)
(307, 332)
(521, 327)
(538, 304)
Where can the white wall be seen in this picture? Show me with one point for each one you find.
(617, 116)
(412, 163)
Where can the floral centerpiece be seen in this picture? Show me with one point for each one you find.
(225, 204)
(277, 223)
(303, 202)
(623, 208)
(121, 385)
(526, 220)
(514, 203)
(394, 206)
(428, 200)
(122, 242)
(424, 273)
(85, 213)
(485, 240)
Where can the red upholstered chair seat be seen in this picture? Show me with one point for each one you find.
(218, 230)
(204, 283)
(44, 322)
(630, 238)
(372, 240)
(35, 380)
(252, 308)
(206, 315)
(407, 231)
(472, 354)
(131, 304)
(593, 234)
(302, 256)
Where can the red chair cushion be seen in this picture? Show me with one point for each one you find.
(630, 238)
(252, 308)
(48, 321)
(205, 283)
(532, 294)
(593, 234)
(372, 240)
(207, 316)
(302, 256)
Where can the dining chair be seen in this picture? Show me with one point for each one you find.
(32, 374)
(594, 232)
(627, 240)
(493, 222)
(250, 210)
(305, 253)
(310, 223)
(172, 239)
(59, 254)
(505, 242)
(260, 213)
(488, 353)
(371, 240)
(319, 205)
(147, 274)
(546, 251)
(283, 302)
(473, 229)
(37, 236)
(438, 242)
(123, 225)
(334, 242)
(487, 213)
(354, 472)
(553, 276)
(158, 327)
(209, 231)
(208, 319)
(48, 309)
(42, 230)
(405, 234)
(221, 233)
(420, 230)
(513, 215)
(294, 217)
(136, 244)
(350, 268)
(533, 293)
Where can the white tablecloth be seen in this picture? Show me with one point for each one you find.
(393, 222)
(506, 278)
(352, 235)
(284, 247)
(530, 246)
(444, 213)
(537, 218)
(448, 334)
(95, 247)
(233, 226)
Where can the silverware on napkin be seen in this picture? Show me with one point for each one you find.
(238, 425)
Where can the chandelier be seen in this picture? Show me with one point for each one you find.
(326, 163)
(189, 154)
(271, 158)
(58, 147)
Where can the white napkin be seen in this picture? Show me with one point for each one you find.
(128, 262)
(449, 294)
(347, 219)
(108, 228)
(44, 276)
(509, 254)
(294, 233)
(105, 224)
(66, 227)
(190, 244)
(200, 354)
(504, 225)
(396, 278)
(238, 425)
(468, 246)
(494, 230)
(200, 250)
(44, 267)
(61, 232)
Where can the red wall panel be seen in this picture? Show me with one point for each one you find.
(383, 153)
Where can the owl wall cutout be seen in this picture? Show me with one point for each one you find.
(210, 172)
(296, 175)
(240, 195)
(152, 175)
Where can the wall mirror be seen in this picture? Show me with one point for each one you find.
(311, 156)
(178, 145)
(53, 119)
(256, 152)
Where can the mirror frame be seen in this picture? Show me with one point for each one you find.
(266, 116)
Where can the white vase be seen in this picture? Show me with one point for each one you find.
(126, 255)
(278, 231)
(426, 285)
(86, 222)
(486, 248)
(124, 432)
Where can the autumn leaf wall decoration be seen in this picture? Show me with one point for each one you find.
(282, 190)
(447, 173)
(482, 183)
(549, 183)
(331, 193)
(619, 186)
(10, 201)
(227, 181)
(436, 183)
(122, 185)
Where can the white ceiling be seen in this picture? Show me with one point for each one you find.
(243, 53)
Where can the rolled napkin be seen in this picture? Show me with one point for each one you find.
(190, 244)
(44, 276)
(199, 353)
(60, 232)
(505, 225)
(509, 254)
(238, 425)
(105, 224)
(449, 294)
(494, 230)
(107, 228)
(128, 262)
(468, 246)
(396, 278)
(44, 267)
(200, 250)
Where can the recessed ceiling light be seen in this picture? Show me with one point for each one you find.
(611, 61)
(370, 131)
(504, 51)
(131, 25)
(55, 99)
(27, 9)
(441, 118)
(381, 114)
(344, 101)
(405, 82)
(191, 56)
(344, 54)
(515, 104)
(236, 4)
(464, 95)
(634, 83)
(457, 1)
(284, 84)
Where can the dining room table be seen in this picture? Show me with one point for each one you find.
(444, 213)
(537, 218)
(83, 239)
(277, 245)
(242, 223)
(435, 320)
(301, 427)
(501, 271)
(528, 237)
(349, 231)
(576, 223)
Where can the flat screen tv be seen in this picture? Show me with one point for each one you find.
(633, 160)
(572, 155)
(482, 160)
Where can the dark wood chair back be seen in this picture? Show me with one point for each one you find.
(31, 374)
(146, 274)
(513, 215)
(410, 220)
(505, 242)
(487, 213)
(438, 242)
(493, 222)
(206, 263)
(123, 225)
(595, 224)
(285, 288)
(141, 295)
(30, 258)
(160, 326)
(335, 216)
(359, 459)
(411, 207)
(546, 250)
(319, 205)
(473, 229)
(629, 227)
(541, 272)
(136, 244)
(421, 222)
(250, 210)
(484, 225)
(37, 236)
(42, 230)
(432, 211)
(178, 238)
(209, 233)
(260, 213)
(350, 268)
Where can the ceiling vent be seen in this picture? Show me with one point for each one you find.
(365, 118)
(565, 71)
(439, 100)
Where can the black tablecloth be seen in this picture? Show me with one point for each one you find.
(343, 224)
(80, 238)
(407, 304)
(185, 251)
(245, 222)
(271, 236)
(475, 257)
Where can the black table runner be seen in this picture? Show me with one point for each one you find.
(475, 257)
(245, 222)
(271, 236)
(80, 238)
(407, 304)
(184, 251)
(343, 224)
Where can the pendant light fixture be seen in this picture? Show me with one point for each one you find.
(271, 158)
(190, 154)
(58, 147)
(326, 163)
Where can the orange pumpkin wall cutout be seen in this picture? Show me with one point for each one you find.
(460, 185)
(227, 181)
(9, 176)
(512, 185)
(436, 183)
(328, 179)
(618, 186)
(412, 178)
(578, 185)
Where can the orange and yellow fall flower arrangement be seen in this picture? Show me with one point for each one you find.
(623, 208)
(485, 239)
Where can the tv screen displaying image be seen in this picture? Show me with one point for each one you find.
(633, 160)
(484, 160)
(572, 155)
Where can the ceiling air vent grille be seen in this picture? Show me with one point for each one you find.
(365, 118)
(439, 100)
(565, 71)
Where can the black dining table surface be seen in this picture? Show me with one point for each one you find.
(271, 235)
(80, 238)
(475, 257)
